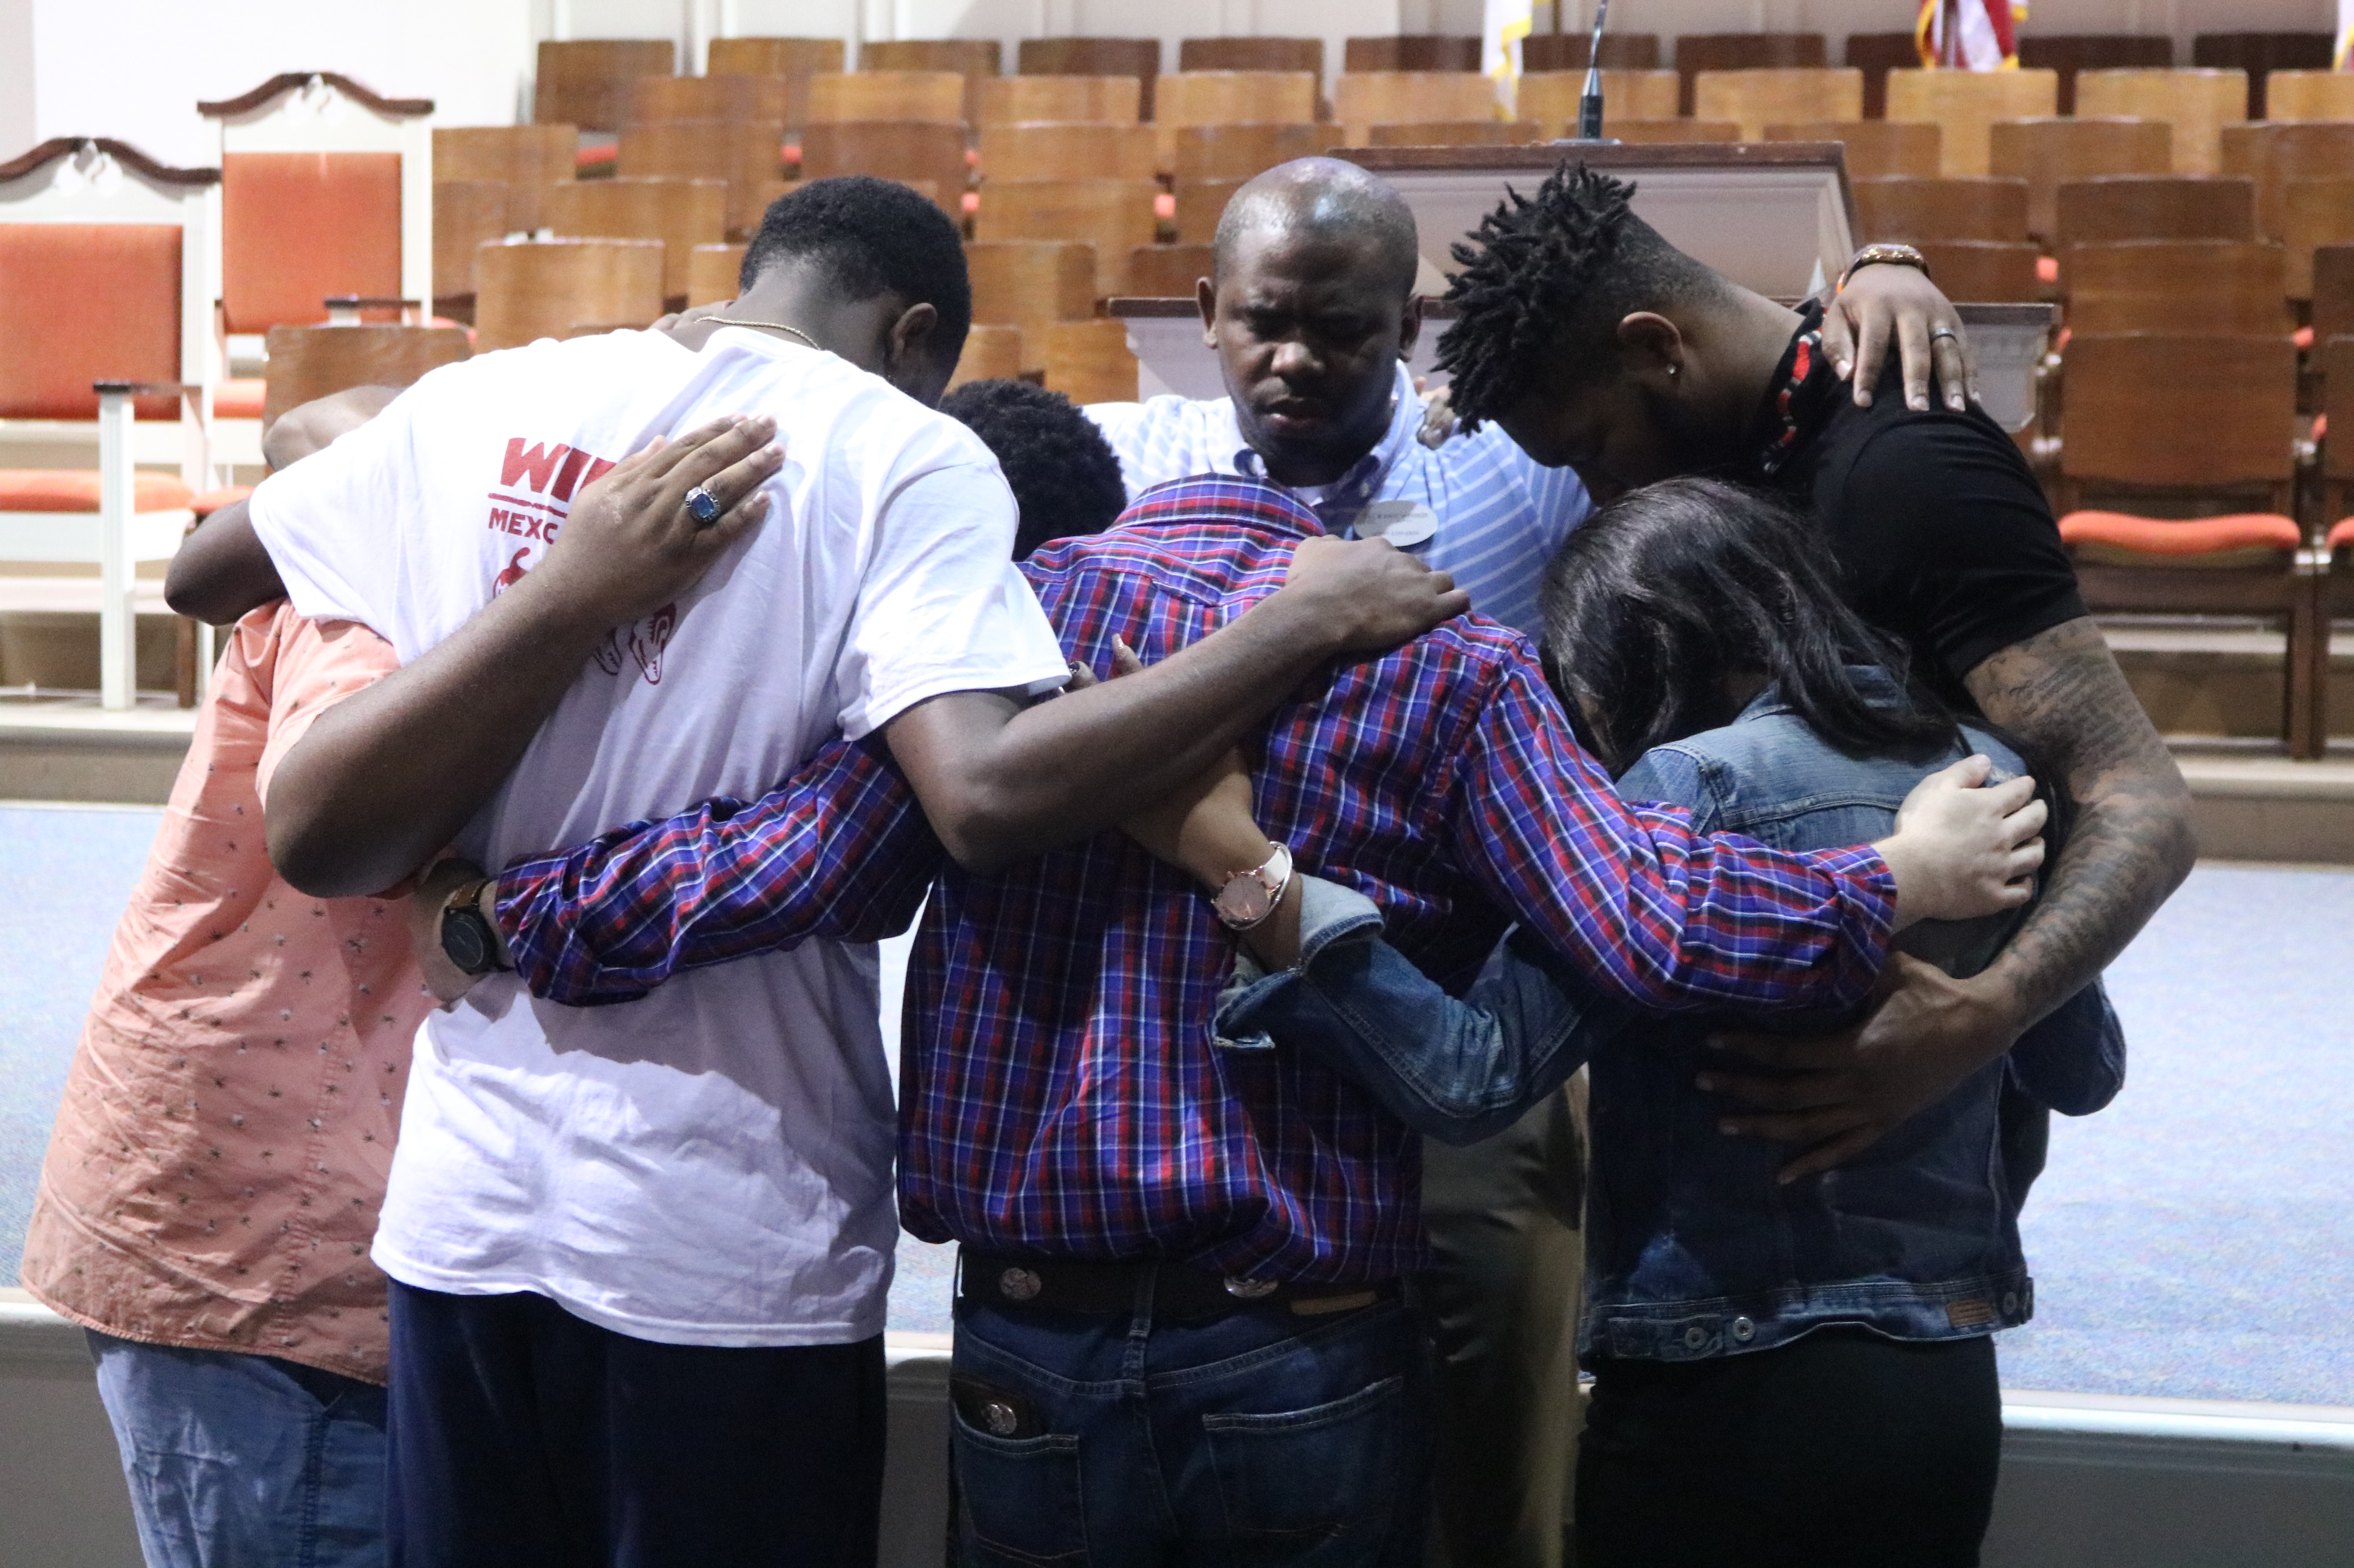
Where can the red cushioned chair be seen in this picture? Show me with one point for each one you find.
(326, 190)
(106, 337)
(2176, 426)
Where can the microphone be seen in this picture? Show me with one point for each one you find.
(1589, 106)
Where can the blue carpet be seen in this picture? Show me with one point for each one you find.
(2192, 1241)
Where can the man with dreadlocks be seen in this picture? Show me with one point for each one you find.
(1599, 347)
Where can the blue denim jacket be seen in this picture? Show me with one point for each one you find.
(1692, 1249)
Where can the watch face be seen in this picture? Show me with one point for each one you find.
(466, 939)
(1244, 899)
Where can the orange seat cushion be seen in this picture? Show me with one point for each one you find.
(82, 303)
(212, 501)
(2182, 536)
(595, 157)
(76, 490)
(2341, 533)
(240, 399)
(297, 227)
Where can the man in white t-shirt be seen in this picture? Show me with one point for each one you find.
(640, 1254)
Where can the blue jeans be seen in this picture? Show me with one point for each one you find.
(1261, 1437)
(236, 1459)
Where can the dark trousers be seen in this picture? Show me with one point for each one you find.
(1260, 1438)
(1841, 1448)
(523, 1438)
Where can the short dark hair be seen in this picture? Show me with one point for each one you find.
(1659, 597)
(1064, 477)
(1546, 285)
(871, 236)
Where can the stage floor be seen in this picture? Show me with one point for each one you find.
(2191, 1241)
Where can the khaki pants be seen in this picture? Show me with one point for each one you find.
(1504, 1298)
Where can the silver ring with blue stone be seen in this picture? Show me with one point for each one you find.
(702, 505)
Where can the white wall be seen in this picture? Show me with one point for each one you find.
(135, 68)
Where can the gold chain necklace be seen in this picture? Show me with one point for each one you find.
(773, 326)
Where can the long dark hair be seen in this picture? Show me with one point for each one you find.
(1661, 600)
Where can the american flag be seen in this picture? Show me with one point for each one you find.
(1970, 35)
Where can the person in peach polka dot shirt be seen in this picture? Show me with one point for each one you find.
(213, 1180)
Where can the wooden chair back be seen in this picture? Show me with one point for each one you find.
(313, 361)
(2273, 154)
(1089, 361)
(2261, 55)
(1572, 50)
(2185, 287)
(713, 273)
(682, 213)
(527, 159)
(2335, 355)
(1456, 133)
(990, 353)
(918, 152)
(1978, 207)
(793, 60)
(2333, 298)
(1697, 52)
(1063, 151)
(547, 287)
(1031, 283)
(1198, 205)
(586, 81)
(918, 97)
(976, 61)
(1252, 54)
(1671, 130)
(1169, 271)
(1234, 98)
(2045, 151)
(711, 98)
(1405, 97)
(1875, 55)
(1114, 216)
(1876, 149)
(747, 154)
(1137, 57)
(1416, 51)
(2313, 213)
(1986, 271)
(1239, 152)
(2071, 54)
(1093, 99)
(1967, 104)
(1550, 98)
(466, 214)
(2196, 103)
(2130, 396)
(2154, 207)
(2310, 95)
(1757, 99)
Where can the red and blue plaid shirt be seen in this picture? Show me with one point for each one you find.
(1061, 1096)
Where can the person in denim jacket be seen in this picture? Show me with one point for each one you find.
(1871, 1432)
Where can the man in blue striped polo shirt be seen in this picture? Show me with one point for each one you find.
(1312, 313)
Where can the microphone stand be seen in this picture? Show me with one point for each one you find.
(1589, 106)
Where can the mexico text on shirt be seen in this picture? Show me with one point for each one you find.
(1498, 514)
(713, 1165)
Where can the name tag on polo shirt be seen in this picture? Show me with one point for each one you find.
(1405, 524)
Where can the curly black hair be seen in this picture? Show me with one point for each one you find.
(871, 237)
(1544, 284)
(1064, 477)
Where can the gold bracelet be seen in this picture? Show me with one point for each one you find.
(1883, 255)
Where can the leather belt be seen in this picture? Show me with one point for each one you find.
(1179, 1290)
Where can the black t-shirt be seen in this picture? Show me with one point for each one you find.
(1943, 535)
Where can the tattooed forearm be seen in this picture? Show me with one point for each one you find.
(2131, 844)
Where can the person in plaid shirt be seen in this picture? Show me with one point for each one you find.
(1182, 1258)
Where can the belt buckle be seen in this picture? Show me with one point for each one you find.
(1243, 1290)
(1019, 1284)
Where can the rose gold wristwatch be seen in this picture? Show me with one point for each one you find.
(1250, 896)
